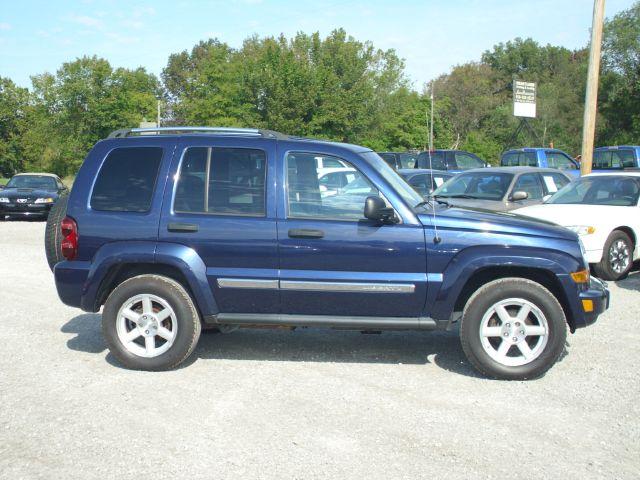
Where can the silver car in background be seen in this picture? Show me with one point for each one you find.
(502, 189)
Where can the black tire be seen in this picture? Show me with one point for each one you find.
(52, 232)
(186, 317)
(509, 288)
(605, 268)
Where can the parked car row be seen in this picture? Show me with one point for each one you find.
(604, 158)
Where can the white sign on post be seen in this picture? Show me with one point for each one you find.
(524, 99)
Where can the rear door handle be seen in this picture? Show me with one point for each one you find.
(305, 233)
(182, 227)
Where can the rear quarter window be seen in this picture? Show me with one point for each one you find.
(126, 180)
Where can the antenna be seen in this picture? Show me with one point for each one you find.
(436, 238)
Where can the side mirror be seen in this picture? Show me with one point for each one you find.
(519, 195)
(375, 209)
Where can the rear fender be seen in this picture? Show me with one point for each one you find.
(185, 259)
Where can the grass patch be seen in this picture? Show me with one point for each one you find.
(3, 181)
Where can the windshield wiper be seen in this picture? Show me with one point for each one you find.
(463, 196)
(429, 201)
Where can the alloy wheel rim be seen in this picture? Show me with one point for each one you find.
(514, 332)
(146, 325)
(619, 257)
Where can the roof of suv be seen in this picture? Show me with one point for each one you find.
(247, 133)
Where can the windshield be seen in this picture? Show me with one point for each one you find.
(599, 190)
(33, 181)
(480, 185)
(408, 194)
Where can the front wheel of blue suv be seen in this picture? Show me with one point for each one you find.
(513, 329)
(150, 322)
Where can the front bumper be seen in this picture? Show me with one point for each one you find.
(25, 209)
(599, 295)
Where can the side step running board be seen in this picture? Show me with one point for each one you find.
(412, 323)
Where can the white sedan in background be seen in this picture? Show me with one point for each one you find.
(602, 208)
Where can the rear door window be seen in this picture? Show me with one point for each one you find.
(222, 181)
(126, 180)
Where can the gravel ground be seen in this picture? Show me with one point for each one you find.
(303, 404)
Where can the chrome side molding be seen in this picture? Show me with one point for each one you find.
(309, 286)
(353, 287)
(252, 283)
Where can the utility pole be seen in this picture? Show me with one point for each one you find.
(158, 113)
(591, 96)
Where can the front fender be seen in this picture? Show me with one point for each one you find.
(472, 259)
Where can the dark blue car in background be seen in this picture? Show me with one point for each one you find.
(171, 229)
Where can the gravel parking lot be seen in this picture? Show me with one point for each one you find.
(303, 404)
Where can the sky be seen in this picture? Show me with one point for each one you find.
(431, 36)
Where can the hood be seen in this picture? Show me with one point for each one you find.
(575, 214)
(475, 219)
(27, 193)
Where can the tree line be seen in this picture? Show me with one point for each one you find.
(335, 88)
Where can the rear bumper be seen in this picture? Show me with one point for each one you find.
(71, 280)
(599, 295)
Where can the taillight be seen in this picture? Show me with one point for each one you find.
(69, 242)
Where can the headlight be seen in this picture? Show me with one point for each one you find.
(44, 200)
(582, 229)
(4, 200)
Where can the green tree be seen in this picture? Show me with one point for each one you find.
(14, 102)
(73, 109)
(619, 95)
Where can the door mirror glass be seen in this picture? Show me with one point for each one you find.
(375, 209)
(519, 195)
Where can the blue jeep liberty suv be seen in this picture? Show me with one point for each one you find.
(173, 229)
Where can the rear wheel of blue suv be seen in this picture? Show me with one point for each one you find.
(150, 322)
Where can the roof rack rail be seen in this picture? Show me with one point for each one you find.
(251, 132)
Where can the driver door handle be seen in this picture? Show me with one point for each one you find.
(305, 233)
